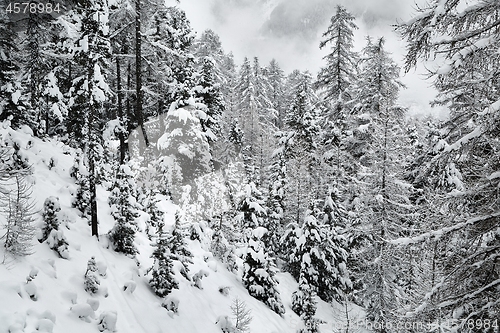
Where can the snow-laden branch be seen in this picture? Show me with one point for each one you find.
(440, 232)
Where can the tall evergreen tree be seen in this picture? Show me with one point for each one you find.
(162, 280)
(465, 165)
(124, 211)
(385, 200)
(259, 273)
(90, 90)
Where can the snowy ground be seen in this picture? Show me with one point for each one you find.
(62, 305)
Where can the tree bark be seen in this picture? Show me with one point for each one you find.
(138, 70)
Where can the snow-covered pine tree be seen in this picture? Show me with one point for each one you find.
(276, 94)
(177, 245)
(162, 280)
(319, 257)
(91, 282)
(247, 115)
(50, 230)
(81, 200)
(124, 211)
(465, 164)
(51, 221)
(301, 125)
(276, 201)
(89, 90)
(208, 92)
(305, 305)
(252, 208)
(259, 273)
(387, 210)
(10, 87)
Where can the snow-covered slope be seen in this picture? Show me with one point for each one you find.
(59, 302)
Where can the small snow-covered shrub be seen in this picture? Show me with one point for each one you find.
(30, 287)
(107, 321)
(91, 283)
(225, 324)
(224, 290)
(83, 311)
(45, 325)
(58, 242)
(129, 287)
(52, 162)
(197, 278)
(94, 303)
(171, 304)
(48, 315)
(102, 268)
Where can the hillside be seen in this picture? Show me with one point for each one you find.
(57, 290)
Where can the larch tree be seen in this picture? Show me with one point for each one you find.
(386, 212)
(336, 79)
(466, 158)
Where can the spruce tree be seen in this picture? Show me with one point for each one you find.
(10, 88)
(124, 211)
(319, 257)
(89, 90)
(176, 240)
(162, 280)
(253, 209)
(91, 282)
(51, 207)
(258, 277)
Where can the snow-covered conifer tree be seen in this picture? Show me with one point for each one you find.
(259, 273)
(464, 165)
(124, 211)
(176, 240)
(162, 280)
(91, 282)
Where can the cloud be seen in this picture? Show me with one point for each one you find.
(290, 31)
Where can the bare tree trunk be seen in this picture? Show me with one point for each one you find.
(121, 135)
(138, 70)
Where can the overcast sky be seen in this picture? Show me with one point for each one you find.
(290, 31)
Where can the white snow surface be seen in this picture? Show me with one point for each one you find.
(62, 305)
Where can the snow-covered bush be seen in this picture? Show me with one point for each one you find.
(107, 321)
(197, 278)
(51, 221)
(91, 283)
(124, 209)
(45, 325)
(225, 324)
(129, 287)
(83, 311)
(224, 290)
(94, 303)
(171, 304)
(58, 242)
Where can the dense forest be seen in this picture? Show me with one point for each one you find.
(322, 175)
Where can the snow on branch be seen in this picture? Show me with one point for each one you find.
(440, 232)
(477, 132)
